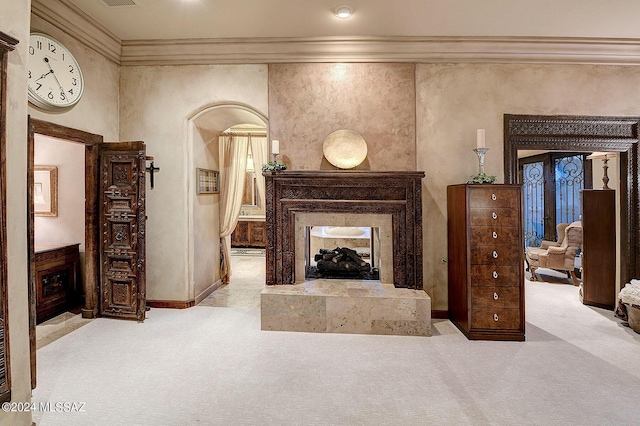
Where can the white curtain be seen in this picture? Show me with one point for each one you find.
(233, 161)
(260, 151)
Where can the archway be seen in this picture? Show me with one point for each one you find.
(203, 128)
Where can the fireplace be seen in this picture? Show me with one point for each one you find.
(390, 202)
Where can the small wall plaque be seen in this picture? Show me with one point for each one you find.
(207, 181)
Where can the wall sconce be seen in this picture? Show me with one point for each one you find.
(604, 156)
(343, 12)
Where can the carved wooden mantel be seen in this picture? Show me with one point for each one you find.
(340, 192)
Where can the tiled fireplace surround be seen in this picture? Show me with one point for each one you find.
(389, 201)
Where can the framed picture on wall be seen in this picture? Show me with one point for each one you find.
(45, 190)
(207, 181)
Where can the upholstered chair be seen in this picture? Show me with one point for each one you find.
(560, 235)
(561, 257)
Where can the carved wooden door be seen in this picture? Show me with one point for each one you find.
(122, 230)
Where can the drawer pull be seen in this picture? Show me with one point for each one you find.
(493, 197)
(495, 274)
(494, 235)
(495, 317)
(494, 215)
(495, 254)
(495, 296)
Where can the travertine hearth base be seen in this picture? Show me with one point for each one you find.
(337, 306)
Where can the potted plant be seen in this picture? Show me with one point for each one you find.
(482, 178)
(273, 166)
(630, 297)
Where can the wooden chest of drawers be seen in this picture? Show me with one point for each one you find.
(485, 250)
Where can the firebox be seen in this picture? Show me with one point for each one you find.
(342, 252)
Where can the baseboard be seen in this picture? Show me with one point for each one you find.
(177, 304)
(439, 314)
(213, 287)
(171, 304)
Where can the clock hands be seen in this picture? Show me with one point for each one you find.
(54, 76)
(44, 75)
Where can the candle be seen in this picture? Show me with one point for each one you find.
(275, 146)
(480, 137)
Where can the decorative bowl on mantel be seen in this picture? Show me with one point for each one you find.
(345, 149)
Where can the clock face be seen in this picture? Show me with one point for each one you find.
(55, 79)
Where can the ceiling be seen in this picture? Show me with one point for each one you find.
(186, 19)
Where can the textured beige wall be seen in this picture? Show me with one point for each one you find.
(97, 110)
(155, 106)
(68, 157)
(455, 100)
(206, 219)
(14, 20)
(307, 102)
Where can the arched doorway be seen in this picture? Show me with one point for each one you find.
(204, 127)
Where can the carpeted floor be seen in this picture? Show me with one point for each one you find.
(212, 365)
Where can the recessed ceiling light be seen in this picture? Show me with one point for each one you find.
(343, 12)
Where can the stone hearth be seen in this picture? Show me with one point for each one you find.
(349, 306)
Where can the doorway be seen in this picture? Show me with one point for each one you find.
(91, 143)
(205, 227)
(59, 226)
(586, 134)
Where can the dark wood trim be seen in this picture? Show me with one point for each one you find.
(31, 266)
(586, 134)
(439, 314)
(171, 304)
(176, 304)
(92, 227)
(7, 44)
(92, 144)
(67, 133)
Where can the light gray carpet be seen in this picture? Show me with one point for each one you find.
(214, 366)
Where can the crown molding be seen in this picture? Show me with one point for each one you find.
(383, 49)
(69, 19)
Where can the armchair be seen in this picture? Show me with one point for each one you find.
(560, 257)
(560, 233)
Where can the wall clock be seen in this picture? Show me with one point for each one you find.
(55, 78)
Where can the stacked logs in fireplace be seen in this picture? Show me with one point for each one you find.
(341, 262)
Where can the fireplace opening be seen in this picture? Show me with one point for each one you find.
(342, 252)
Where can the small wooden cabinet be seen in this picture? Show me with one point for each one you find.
(485, 250)
(249, 234)
(599, 248)
(58, 281)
